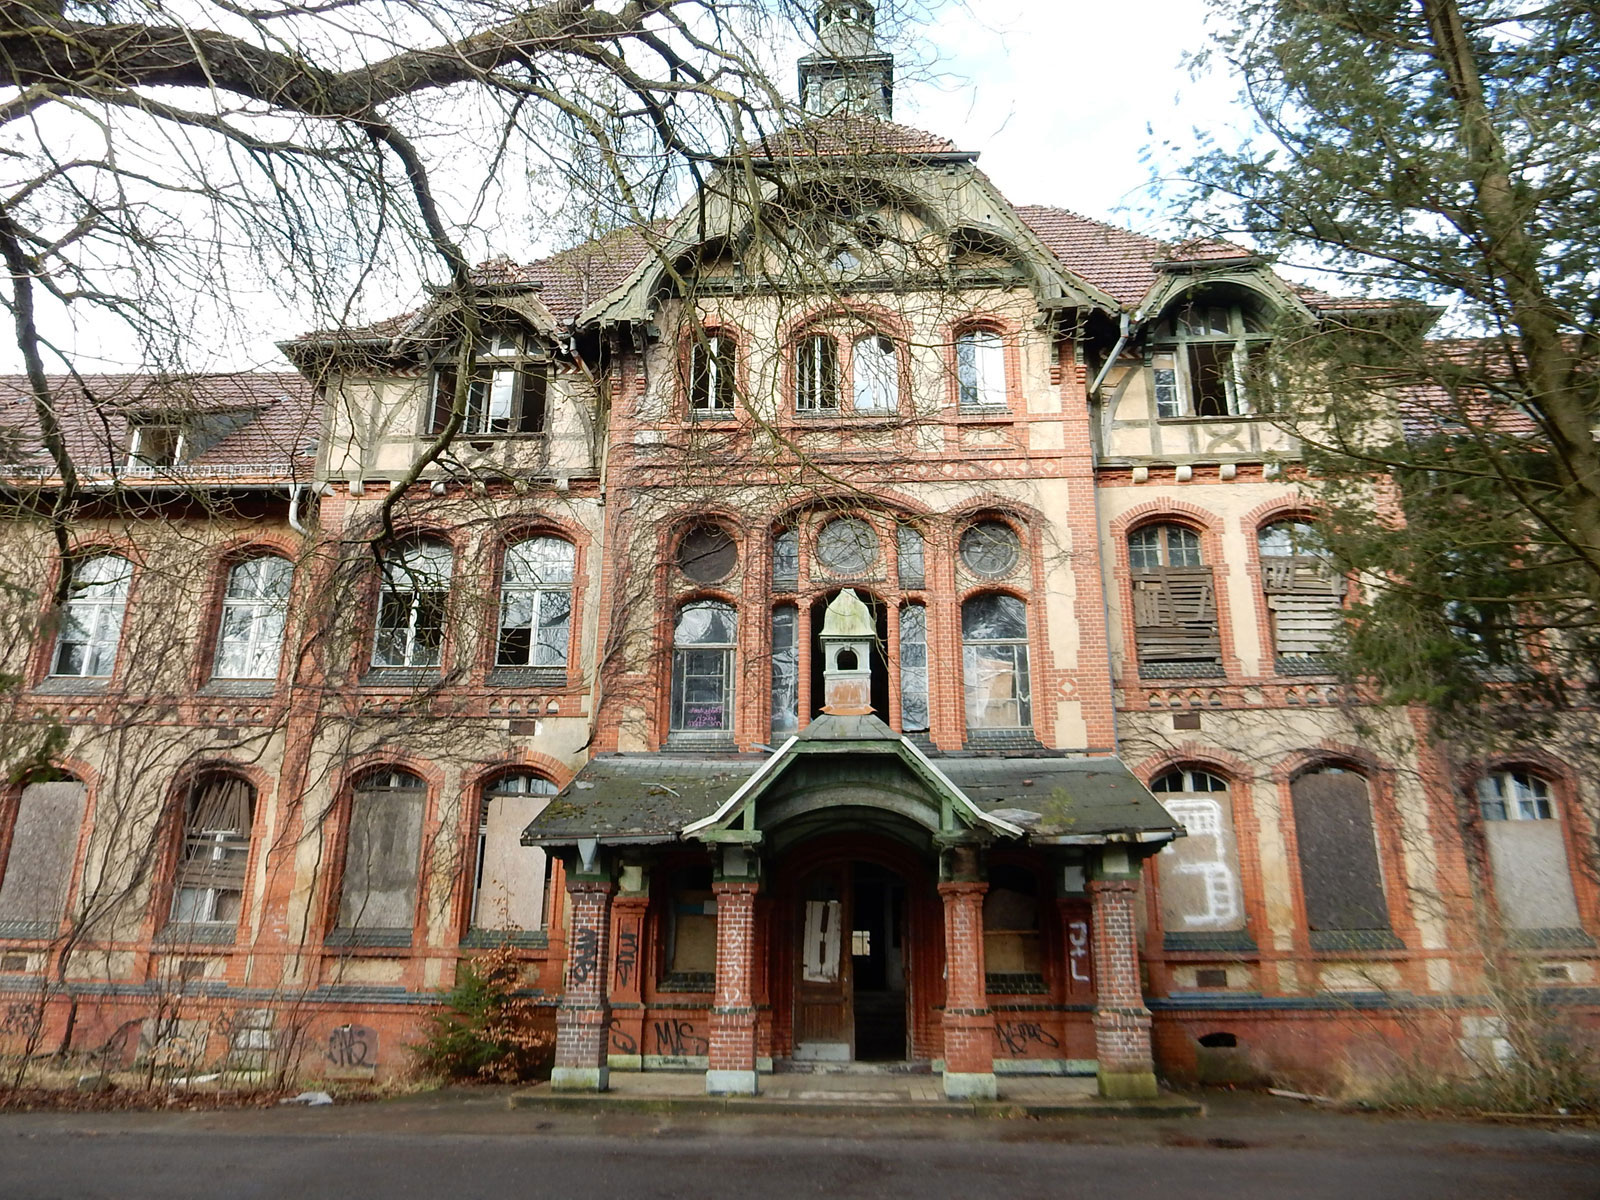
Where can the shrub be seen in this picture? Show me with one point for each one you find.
(487, 1032)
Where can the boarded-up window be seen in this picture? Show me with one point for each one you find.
(508, 889)
(378, 896)
(38, 869)
(1200, 892)
(994, 663)
(1174, 598)
(1304, 592)
(209, 888)
(1527, 852)
(691, 956)
(1339, 871)
(1011, 923)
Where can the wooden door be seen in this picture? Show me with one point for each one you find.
(824, 1018)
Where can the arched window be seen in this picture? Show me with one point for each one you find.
(210, 883)
(1205, 348)
(1201, 898)
(816, 374)
(1340, 874)
(786, 560)
(702, 668)
(981, 369)
(412, 596)
(1174, 603)
(785, 669)
(91, 623)
(712, 362)
(909, 550)
(39, 864)
(875, 367)
(1528, 858)
(511, 881)
(536, 604)
(913, 668)
(1304, 592)
(383, 849)
(994, 661)
(255, 604)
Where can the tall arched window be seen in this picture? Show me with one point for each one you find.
(1304, 592)
(536, 604)
(255, 605)
(786, 560)
(816, 374)
(913, 668)
(39, 864)
(875, 368)
(1340, 874)
(510, 880)
(1528, 858)
(981, 369)
(1202, 901)
(210, 884)
(1174, 602)
(785, 668)
(713, 358)
(702, 668)
(994, 661)
(383, 851)
(412, 596)
(91, 622)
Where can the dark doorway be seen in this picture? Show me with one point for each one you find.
(877, 957)
(880, 662)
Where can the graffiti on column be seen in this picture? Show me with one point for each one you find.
(1078, 950)
(627, 956)
(621, 1040)
(585, 956)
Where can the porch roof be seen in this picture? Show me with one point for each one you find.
(652, 798)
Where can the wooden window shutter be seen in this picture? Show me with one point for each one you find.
(444, 394)
(1305, 595)
(1175, 614)
(216, 843)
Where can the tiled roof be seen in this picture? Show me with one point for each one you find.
(1116, 260)
(574, 279)
(244, 425)
(1452, 404)
(844, 135)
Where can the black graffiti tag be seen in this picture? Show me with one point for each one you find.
(352, 1046)
(621, 1041)
(678, 1039)
(1016, 1036)
(585, 956)
(627, 955)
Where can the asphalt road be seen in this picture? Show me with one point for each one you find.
(443, 1150)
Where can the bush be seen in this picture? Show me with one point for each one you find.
(487, 1032)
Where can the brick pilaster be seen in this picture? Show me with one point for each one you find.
(1121, 1020)
(968, 1023)
(584, 1017)
(732, 1060)
(625, 1039)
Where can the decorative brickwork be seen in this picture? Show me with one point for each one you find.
(968, 1023)
(733, 1010)
(1121, 1020)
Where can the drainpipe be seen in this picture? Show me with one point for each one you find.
(1116, 353)
(295, 523)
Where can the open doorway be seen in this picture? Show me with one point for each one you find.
(851, 990)
(877, 954)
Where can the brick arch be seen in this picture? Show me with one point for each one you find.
(521, 526)
(1281, 508)
(884, 501)
(870, 317)
(713, 322)
(534, 761)
(1162, 510)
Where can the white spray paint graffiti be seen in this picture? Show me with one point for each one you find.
(1203, 818)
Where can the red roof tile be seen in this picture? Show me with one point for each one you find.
(845, 134)
(1115, 260)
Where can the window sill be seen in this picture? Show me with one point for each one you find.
(29, 931)
(493, 939)
(1182, 670)
(1549, 939)
(73, 685)
(712, 421)
(359, 939)
(197, 934)
(1225, 419)
(1233, 941)
(843, 417)
(680, 739)
(688, 981)
(1355, 939)
(519, 436)
(254, 688)
(1302, 664)
(528, 677)
(1003, 739)
(1015, 983)
(402, 677)
(988, 414)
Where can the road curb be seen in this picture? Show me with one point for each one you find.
(546, 1100)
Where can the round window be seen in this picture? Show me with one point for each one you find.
(707, 554)
(847, 546)
(990, 548)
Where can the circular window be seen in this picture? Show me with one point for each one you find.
(707, 554)
(847, 546)
(990, 548)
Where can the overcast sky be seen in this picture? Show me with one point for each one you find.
(1059, 96)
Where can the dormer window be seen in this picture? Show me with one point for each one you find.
(1204, 352)
(156, 444)
(508, 393)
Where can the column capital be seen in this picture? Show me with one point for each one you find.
(1098, 886)
(591, 887)
(736, 887)
(963, 887)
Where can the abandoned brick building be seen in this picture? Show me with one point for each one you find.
(863, 623)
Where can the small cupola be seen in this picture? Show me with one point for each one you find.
(848, 633)
(848, 74)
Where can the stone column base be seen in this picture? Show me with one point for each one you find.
(1128, 1085)
(731, 1083)
(625, 1062)
(973, 1085)
(580, 1079)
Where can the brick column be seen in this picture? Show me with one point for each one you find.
(583, 1018)
(625, 1038)
(968, 1023)
(1121, 1021)
(732, 1065)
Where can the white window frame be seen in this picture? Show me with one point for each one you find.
(541, 589)
(425, 551)
(262, 615)
(99, 613)
(981, 371)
